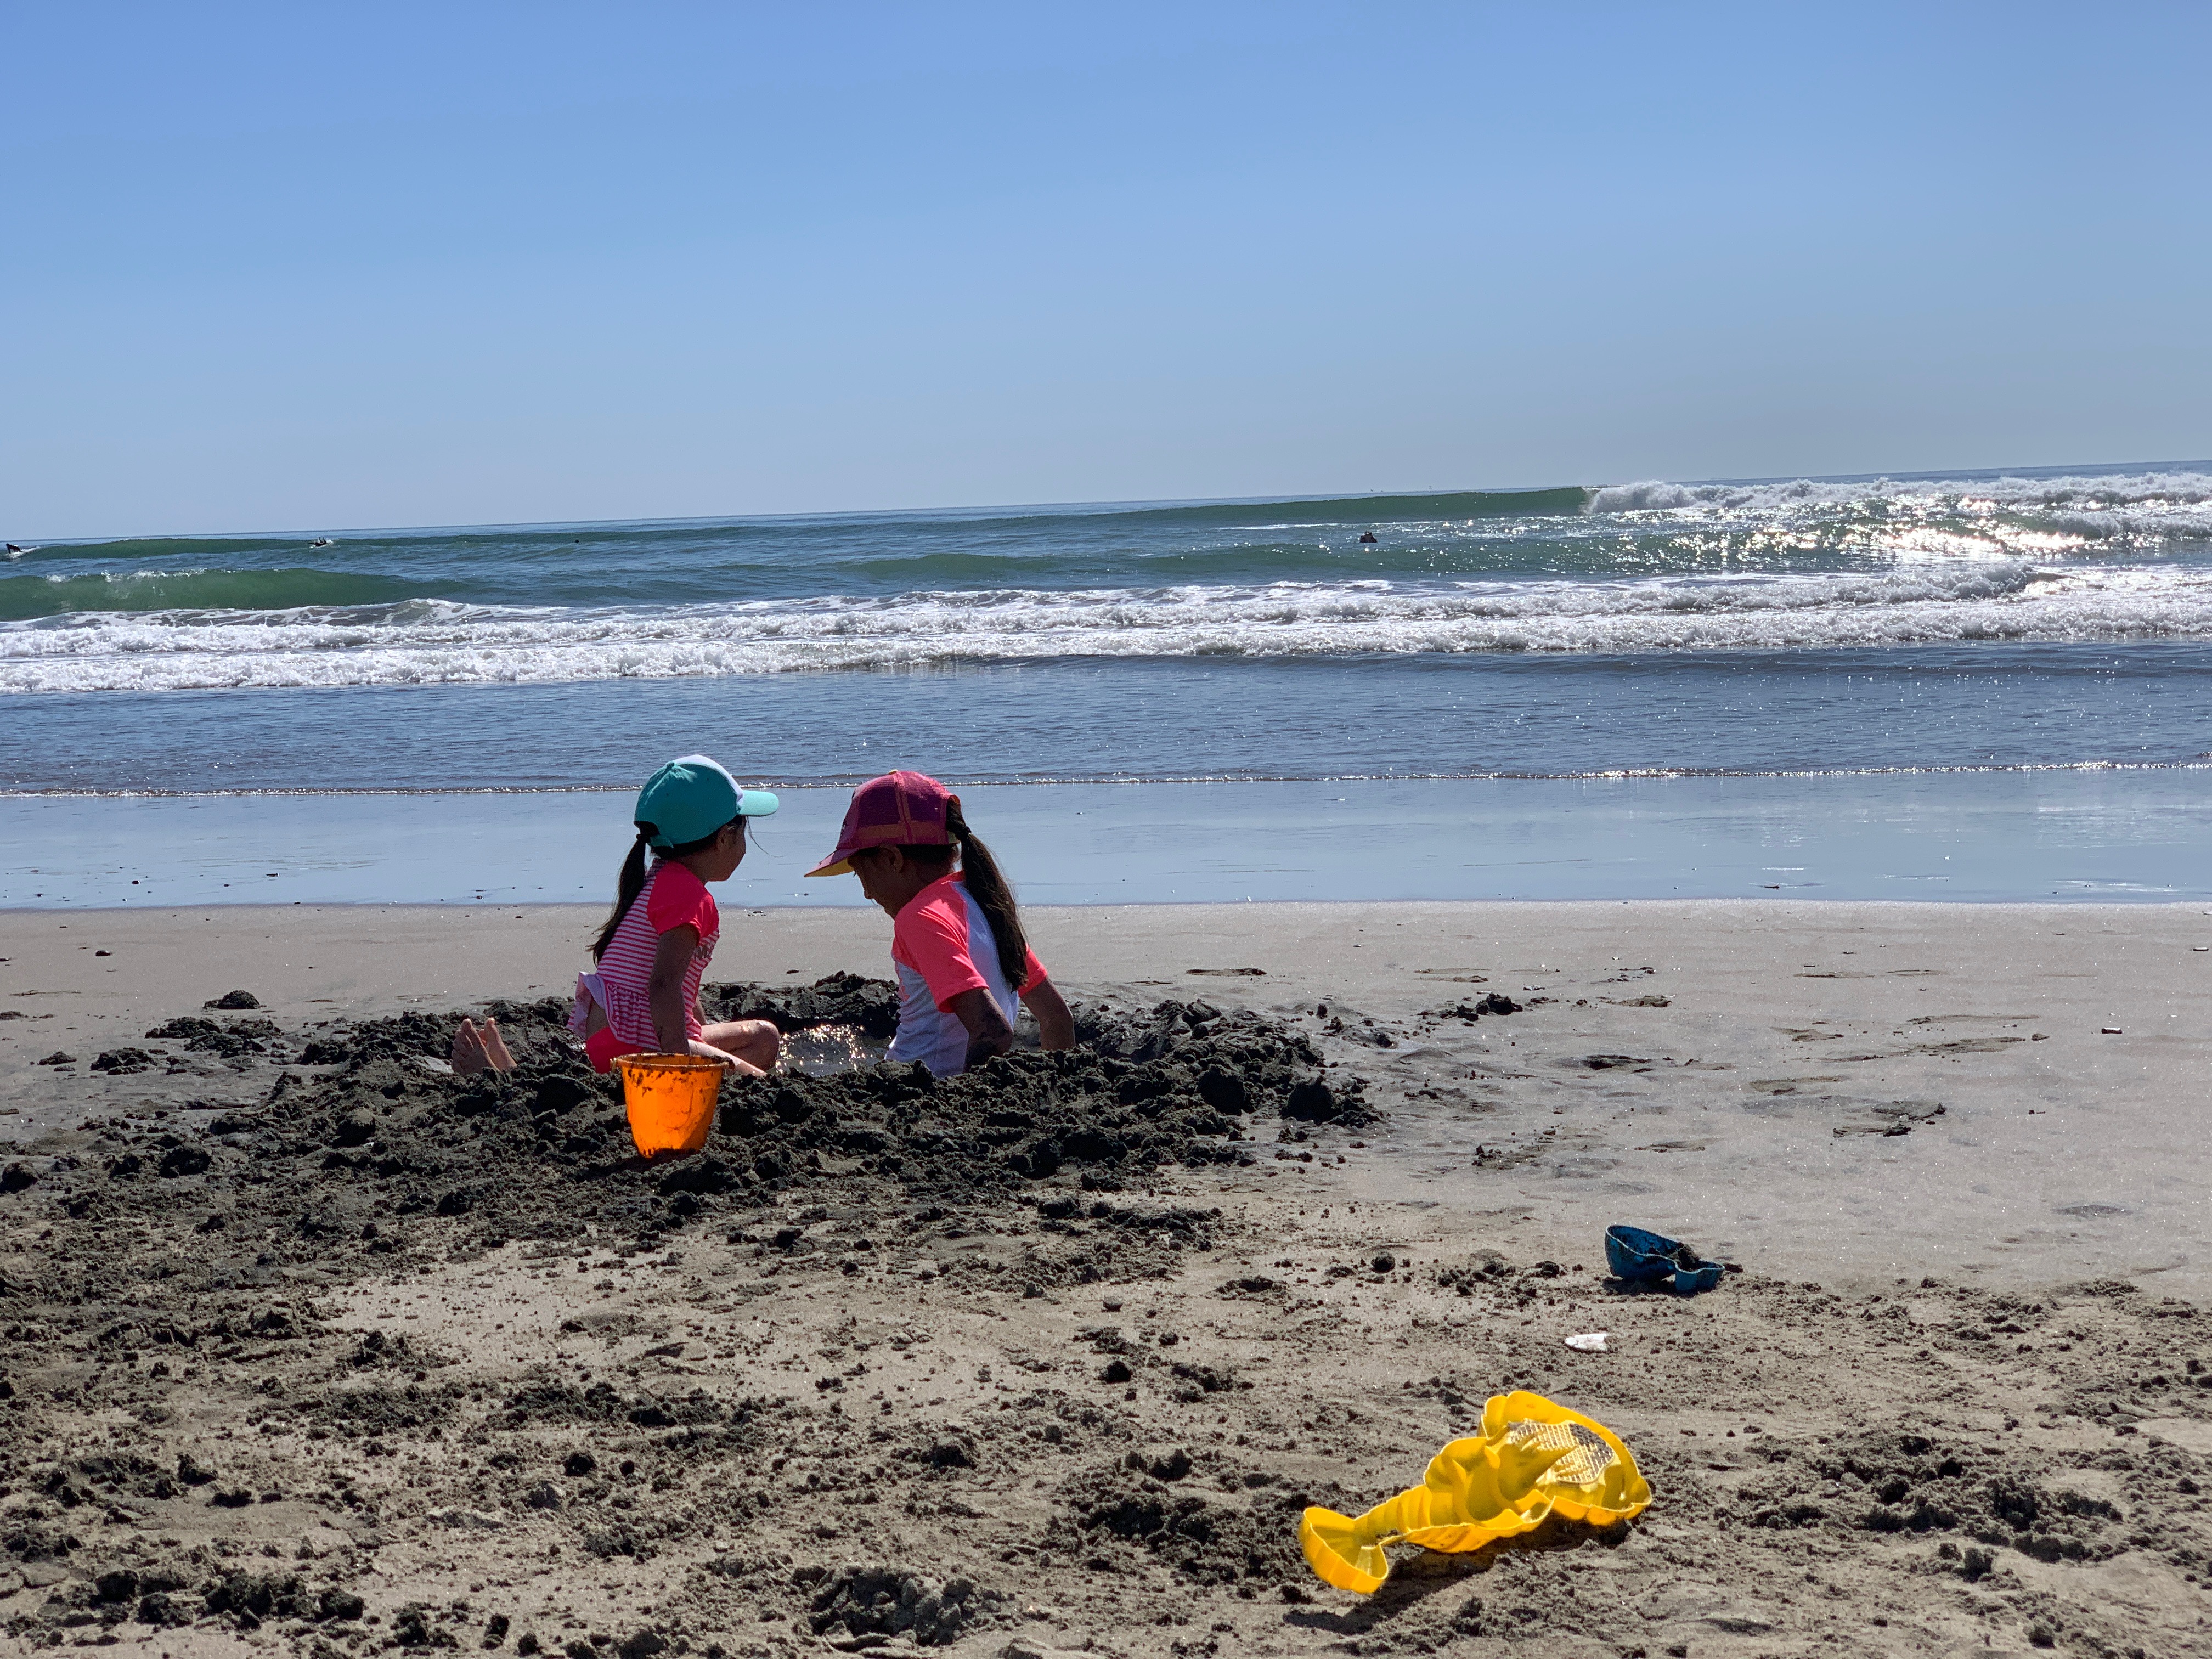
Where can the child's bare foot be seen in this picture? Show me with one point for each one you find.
(468, 1057)
(480, 1049)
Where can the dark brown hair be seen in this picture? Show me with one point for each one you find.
(631, 881)
(989, 883)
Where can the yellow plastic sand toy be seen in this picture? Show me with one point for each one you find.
(1532, 1460)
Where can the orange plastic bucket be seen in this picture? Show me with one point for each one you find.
(671, 1099)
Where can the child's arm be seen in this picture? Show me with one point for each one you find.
(664, 990)
(1055, 1025)
(742, 1067)
(988, 1034)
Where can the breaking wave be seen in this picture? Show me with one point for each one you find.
(25, 597)
(436, 641)
(2087, 555)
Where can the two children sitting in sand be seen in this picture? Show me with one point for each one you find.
(958, 945)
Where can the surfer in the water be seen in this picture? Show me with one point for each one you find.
(1367, 538)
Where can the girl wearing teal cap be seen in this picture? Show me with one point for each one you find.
(657, 943)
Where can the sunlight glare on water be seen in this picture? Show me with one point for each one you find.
(826, 1050)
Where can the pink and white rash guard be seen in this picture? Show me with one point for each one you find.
(942, 945)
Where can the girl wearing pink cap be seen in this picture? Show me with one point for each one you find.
(957, 937)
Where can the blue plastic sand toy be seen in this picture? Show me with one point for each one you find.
(1632, 1252)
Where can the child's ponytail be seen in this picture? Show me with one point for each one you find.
(632, 882)
(626, 891)
(992, 896)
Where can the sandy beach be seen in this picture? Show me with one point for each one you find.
(309, 1345)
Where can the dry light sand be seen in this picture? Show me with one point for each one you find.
(1959, 1398)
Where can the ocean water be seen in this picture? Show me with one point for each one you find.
(2111, 557)
(1946, 626)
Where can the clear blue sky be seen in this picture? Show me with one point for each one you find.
(321, 265)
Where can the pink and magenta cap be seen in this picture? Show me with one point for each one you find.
(899, 809)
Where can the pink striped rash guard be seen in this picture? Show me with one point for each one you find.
(671, 897)
(942, 945)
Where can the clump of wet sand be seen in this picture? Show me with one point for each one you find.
(1042, 1358)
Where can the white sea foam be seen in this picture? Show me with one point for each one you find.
(436, 642)
(2009, 517)
(2176, 493)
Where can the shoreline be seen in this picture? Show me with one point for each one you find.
(1610, 774)
(2098, 835)
(778, 908)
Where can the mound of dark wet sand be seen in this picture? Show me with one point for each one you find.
(381, 1132)
(339, 1163)
(388, 1133)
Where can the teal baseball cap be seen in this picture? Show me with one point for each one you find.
(692, 797)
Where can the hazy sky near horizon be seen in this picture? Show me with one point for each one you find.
(327, 267)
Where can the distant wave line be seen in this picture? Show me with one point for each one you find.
(1541, 501)
(2178, 482)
